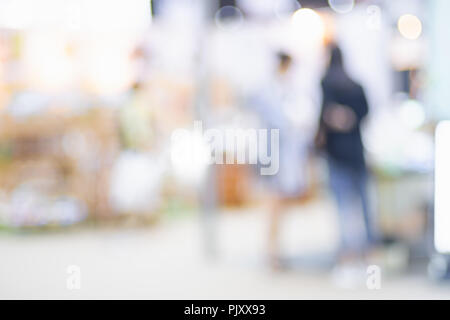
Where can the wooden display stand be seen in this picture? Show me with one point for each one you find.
(38, 150)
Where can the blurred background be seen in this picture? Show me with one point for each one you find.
(91, 92)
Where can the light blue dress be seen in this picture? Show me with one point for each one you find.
(270, 104)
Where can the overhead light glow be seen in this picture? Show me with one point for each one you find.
(309, 26)
(409, 26)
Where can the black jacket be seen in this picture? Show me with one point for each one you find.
(344, 147)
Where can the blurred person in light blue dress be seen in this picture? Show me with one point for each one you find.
(277, 106)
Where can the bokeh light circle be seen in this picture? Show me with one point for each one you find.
(229, 18)
(409, 26)
(341, 6)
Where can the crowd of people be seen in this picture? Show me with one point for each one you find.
(337, 137)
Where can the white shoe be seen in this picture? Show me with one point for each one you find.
(348, 276)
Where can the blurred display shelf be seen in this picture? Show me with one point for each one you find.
(403, 197)
(47, 177)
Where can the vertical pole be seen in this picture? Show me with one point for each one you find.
(207, 191)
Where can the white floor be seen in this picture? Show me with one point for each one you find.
(168, 262)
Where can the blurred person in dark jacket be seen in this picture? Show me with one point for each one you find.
(344, 107)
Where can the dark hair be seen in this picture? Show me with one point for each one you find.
(136, 85)
(283, 58)
(336, 57)
(336, 74)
